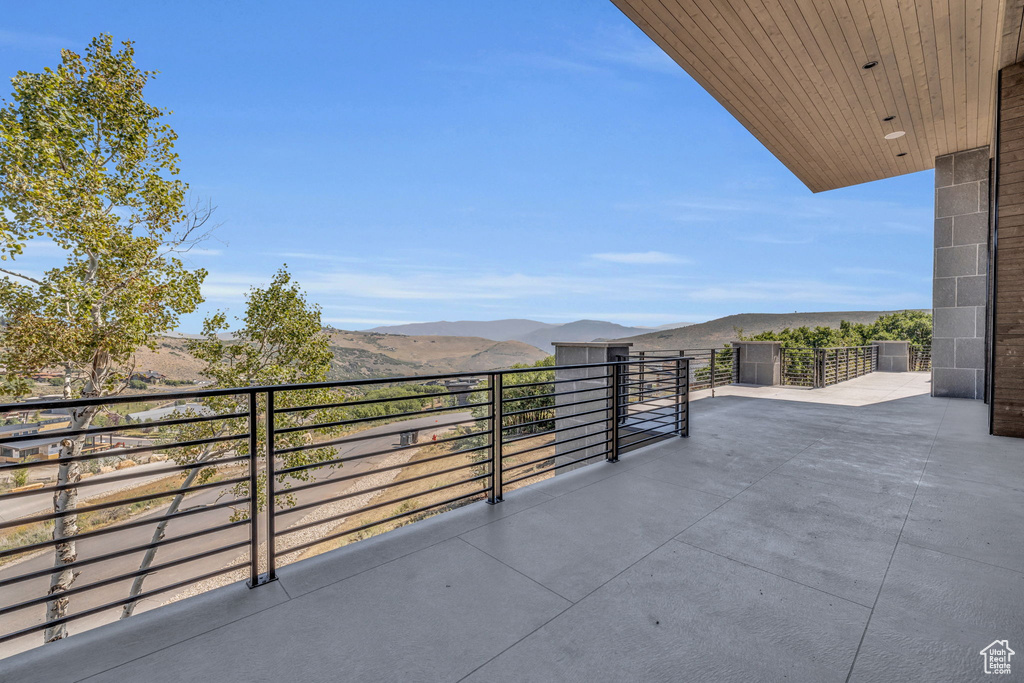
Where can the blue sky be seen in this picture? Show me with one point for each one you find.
(415, 161)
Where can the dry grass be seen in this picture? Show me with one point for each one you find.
(424, 491)
(28, 534)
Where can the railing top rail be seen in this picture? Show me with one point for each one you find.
(229, 391)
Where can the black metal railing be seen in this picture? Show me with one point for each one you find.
(822, 367)
(709, 368)
(230, 484)
(920, 358)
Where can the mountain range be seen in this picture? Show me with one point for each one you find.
(533, 332)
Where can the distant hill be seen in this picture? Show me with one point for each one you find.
(715, 333)
(498, 330)
(532, 332)
(369, 354)
(579, 331)
(372, 354)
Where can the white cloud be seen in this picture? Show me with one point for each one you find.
(640, 257)
(341, 322)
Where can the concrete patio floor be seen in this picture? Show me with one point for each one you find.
(863, 532)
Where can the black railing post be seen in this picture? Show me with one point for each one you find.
(685, 398)
(271, 495)
(254, 525)
(497, 485)
(712, 373)
(616, 382)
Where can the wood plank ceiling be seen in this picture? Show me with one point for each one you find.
(791, 71)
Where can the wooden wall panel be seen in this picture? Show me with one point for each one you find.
(1008, 276)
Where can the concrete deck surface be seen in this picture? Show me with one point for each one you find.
(864, 532)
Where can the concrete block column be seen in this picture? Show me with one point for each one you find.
(893, 356)
(960, 285)
(760, 362)
(586, 384)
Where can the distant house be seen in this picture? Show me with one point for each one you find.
(40, 447)
(148, 376)
(169, 413)
(43, 448)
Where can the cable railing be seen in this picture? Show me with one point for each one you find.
(231, 484)
(822, 367)
(920, 358)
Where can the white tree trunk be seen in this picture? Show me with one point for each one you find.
(66, 526)
(158, 535)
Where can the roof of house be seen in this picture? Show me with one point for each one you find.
(166, 412)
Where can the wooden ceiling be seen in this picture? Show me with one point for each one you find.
(791, 72)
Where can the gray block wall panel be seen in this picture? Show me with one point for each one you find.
(954, 322)
(944, 171)
(893, 355)
(944, 292)
(956, 200)
(971, 290)
(970, 166)
(970, 229)
(960, 285)
(589, 383)
(944, 232)
(970, 353)
(954, 382)
(956, 261)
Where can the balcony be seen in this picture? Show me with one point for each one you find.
(863, 529)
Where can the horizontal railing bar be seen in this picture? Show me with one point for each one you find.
(325, 482)
(363, 456)
(87, 431)
(514, 439)
(206, 393)
(633, 444)
(372, 401)
(113, 504)
(556, 455)
(318, 541)
(555, 467)
(553, 407)
(123, 601)
(7, 552)
(372, 489)
(556, 442)
(355, 438)
(120, 453)
(379, 418)
(556, 417)
(92, 481)
(22, 406)
(123, 577)
(506, 401)
(554, 381)
(121, 553)
(648, 400)
(375, 506)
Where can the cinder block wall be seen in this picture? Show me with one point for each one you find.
(960, 283)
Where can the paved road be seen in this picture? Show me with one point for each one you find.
(43, 502)
(93, 547)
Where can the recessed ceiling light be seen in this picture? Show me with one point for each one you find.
(888, 118)
(902, 154)
(895, 134)
(870, 65)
